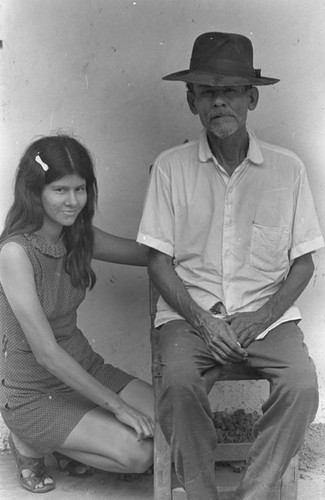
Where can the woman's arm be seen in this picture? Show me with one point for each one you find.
(111, 248)
(15, 269)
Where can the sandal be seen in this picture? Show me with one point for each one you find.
(72, 467)
(38, 470)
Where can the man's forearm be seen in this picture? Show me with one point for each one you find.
(173, 291)
(216, 333)
(299, 276)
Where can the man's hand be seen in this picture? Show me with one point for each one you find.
(247, 326)
(218, 335)
(222, 341)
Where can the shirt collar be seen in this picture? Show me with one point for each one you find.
(254, 153)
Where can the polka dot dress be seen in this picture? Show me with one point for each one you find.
(34, 404)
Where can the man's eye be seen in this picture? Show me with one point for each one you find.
(208, 92)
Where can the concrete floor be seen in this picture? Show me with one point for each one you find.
(99, 486)
(106, 486)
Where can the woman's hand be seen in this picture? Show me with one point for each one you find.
(142, 424)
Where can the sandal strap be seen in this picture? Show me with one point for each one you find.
(37, 476)
(32, 463)
(35, 464)
(37, 467)
(38, 471)
(72, 467)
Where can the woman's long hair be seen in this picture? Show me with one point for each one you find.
(63, 155)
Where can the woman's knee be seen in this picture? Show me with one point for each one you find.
(140, 457)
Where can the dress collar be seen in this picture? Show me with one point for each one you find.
(57, 249)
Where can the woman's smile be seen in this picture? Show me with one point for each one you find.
(63, 200)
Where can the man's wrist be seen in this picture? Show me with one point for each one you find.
(205, 324)
(200, 323)
(267, 313)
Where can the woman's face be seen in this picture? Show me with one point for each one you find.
(63, 200)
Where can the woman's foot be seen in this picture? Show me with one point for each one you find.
(33, 474)
(72, 467)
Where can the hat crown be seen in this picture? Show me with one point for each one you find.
(224, 53)
(222, 59)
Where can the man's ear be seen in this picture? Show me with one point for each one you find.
(191, 102)
(253, 96)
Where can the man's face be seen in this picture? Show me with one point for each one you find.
(222, 110)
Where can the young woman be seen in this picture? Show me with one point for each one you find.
(56, 393)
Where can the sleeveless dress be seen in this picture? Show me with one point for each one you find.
(34, 404)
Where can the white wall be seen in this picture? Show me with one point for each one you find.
(94, 68)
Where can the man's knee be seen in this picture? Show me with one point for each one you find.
(180, 376)
(300, 384)
(182, 394)
(303, 378)
(180, 350)
(181, 362)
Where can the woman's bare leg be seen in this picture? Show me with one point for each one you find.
(101, 441)
(25, 449)
(139, 395)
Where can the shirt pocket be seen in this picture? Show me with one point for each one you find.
(269, 247)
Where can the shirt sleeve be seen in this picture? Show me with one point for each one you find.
(156, 228)
(306, 233)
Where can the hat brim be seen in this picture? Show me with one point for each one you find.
(218, 80)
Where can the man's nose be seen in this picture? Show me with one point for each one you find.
(218, 98)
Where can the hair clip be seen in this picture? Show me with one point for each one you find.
(44, 166)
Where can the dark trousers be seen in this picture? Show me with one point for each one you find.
(185, 415)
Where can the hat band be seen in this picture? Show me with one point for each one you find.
(222, 67)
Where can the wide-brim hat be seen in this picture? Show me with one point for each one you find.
(222, 59)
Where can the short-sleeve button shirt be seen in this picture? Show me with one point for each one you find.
(234, 238)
